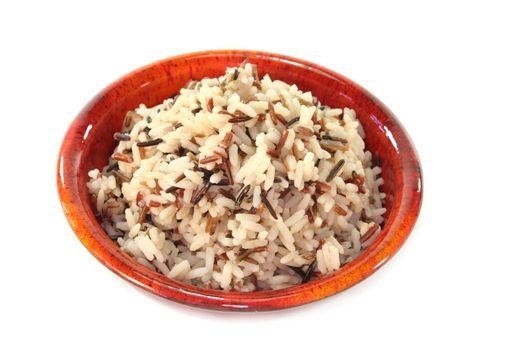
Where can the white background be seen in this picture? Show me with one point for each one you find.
(453, 72)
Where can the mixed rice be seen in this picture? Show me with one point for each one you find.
(240, 183)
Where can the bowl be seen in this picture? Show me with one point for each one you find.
(88, 143)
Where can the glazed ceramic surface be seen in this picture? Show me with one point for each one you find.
(88, 144)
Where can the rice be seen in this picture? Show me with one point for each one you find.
(240, 183)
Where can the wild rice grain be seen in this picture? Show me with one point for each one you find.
(179, 199)
(211, 224)
(251, 261)
(268, 206)
(255, 73)
(281, 142)
(321, 187)
(283, 193)
(154, 204)
(295, 151)
(126, 158)
(272, 153)
(292, 122)
(276, 118)
(210, 159)
(143, 214)
(339, 210)
(226, 166)
(210, 104)
(333, 138)
(121, 136)
(369, 233)
(170, 189)
(111, 167)
(358, 180)
(242, 193)
(149, 143)
(332, 146)
(335, 170)
(310, 216)
(142, 152)
(240, 119)
(220, 152)
(314, 116)
(227, 140)
(302, 130)
(298, 271)
(227, 194)
(309, 271)
(200, 193)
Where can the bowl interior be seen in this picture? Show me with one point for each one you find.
(89, 143)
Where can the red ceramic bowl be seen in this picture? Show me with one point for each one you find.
(88, 144)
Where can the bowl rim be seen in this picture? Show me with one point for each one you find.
(372, 258)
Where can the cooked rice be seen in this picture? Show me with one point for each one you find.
(240, 184)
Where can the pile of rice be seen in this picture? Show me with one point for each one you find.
(238, 183)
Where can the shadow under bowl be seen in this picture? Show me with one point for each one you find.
(89, 142)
